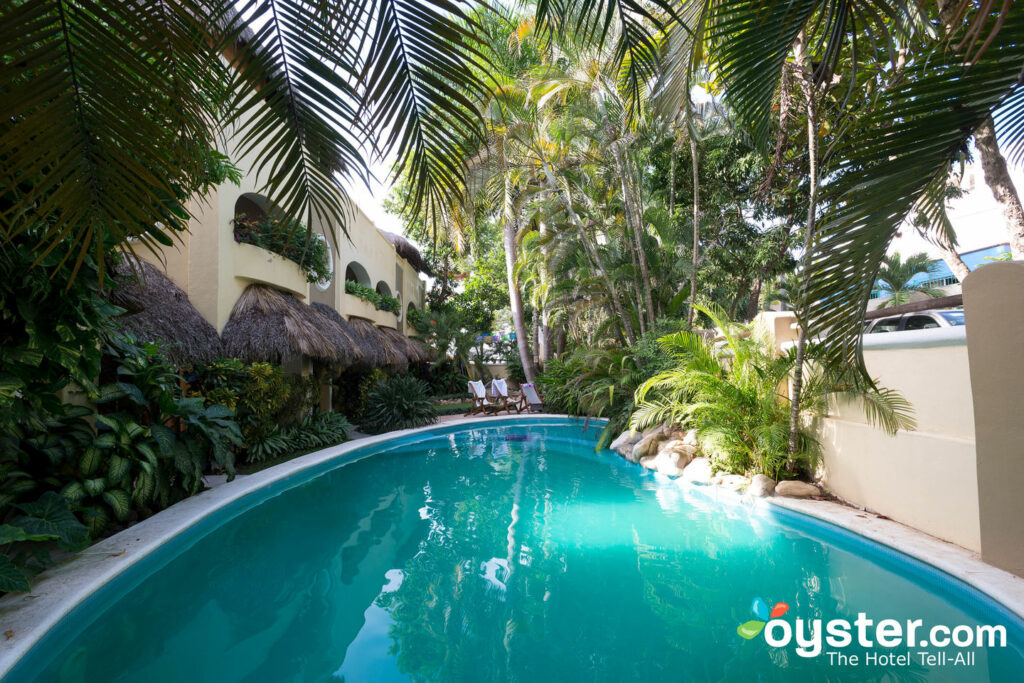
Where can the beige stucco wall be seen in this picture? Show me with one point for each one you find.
(214, 270)
(925, 478)
(994, 311)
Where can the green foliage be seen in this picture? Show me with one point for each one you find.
(514, 365)
(289, 239)
(400, 402)
(730, 393)
(382, 302)
(148, 447)
(367, 385)
(25, 539)
(152, 442)
(895, 275)
(51, 328)
(265, 399)
(318, 430)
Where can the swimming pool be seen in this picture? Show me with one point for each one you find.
(501, 551)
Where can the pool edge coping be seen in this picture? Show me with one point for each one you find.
(966, 565)
(30, 616)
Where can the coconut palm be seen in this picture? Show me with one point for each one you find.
(895, 276)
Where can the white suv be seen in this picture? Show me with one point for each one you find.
(919, 320)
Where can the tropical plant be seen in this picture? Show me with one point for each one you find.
(265, 400)
(400, 402)
(96, 139)
(895, 276)
(319, 430)
(290, 240)
(28, 532)
(730, 394)
(382, 302)
(153, 444)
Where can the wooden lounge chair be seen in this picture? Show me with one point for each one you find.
(499, 394)
(481, 406)
(529, 399)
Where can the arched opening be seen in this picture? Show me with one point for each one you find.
(252, 207)
(356, 273)
(383, 289)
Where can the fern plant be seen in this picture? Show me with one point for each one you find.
(401, 402)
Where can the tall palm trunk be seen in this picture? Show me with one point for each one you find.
(546, 348)
(695, 161)
(997, 177)
(613, 295)
(953, 260)
(993, 164)
(634, 219)
(812, 205)
(509, 229)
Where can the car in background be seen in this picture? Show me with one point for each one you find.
(918, 320)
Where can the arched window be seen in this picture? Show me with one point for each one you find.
(382, 288)
(356, 273)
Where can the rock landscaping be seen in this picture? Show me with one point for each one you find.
(676, 453)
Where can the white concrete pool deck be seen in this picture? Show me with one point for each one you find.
(25, 618)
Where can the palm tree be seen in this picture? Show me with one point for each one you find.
(897, 128)
(110, 110)
(895, 275)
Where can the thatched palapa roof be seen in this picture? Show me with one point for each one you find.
(414, 351)
(408, 251)
(159, 311)
(267, 325)
(388, 353)
(361, 355)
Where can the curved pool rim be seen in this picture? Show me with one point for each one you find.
(31, 617)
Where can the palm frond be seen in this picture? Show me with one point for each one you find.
(422, 83)
(884, 167)
(293, 108)
(105, 119)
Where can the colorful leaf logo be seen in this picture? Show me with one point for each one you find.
(751, 629)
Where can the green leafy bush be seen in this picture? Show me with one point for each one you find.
(152, 442)
(266, 400)
(26, 536)
(401, 402)
(289, 239)
(382, 302)
(319, 430)
(730, 394)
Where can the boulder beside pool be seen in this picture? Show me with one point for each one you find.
(796, 489)
(761, 486)
(698, 471)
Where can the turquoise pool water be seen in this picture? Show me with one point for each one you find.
(510, 552)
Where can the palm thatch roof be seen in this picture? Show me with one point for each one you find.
(361, 356)
(268, 325)
(159, 311)
(408, 251)
(413, 350)
(388, 353)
